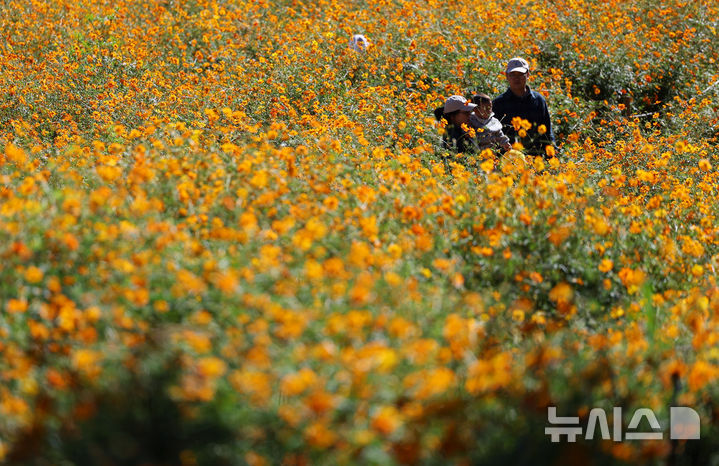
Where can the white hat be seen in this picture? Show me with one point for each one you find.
(517, 64)
(359, 42)
(457, 102)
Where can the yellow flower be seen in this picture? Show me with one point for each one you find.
(15, 306)
(161, 305)
(296, 383)
(254, 383)
(606, 265)
(33, 274)
(15, 154)
(487, 165)
(211, 367)
(561, 293)
(518, 315)
(85, 360)
(394, 250)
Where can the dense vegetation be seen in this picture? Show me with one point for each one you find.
(225, 237)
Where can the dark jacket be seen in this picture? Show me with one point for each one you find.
(457, 140)
(532, 107)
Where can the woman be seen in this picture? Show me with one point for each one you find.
(456, 111)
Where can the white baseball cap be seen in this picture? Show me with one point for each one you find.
(517, 64)
(457, 102)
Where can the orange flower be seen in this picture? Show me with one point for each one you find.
(605, 265)
(491, 374)
(86, 361)
(56, 379)
(561, 294)
(386, 420)
(15, 154)
(211, 367)
(319, 435)
(632, 279)
(701, 374)
(15, 306)
(431, 382)
(33, 274)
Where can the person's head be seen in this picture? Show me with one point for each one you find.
(457, 110)
(517, 72)
(359, 43)
(484, 105)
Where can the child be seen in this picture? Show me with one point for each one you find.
(488, 129)
(456, 111)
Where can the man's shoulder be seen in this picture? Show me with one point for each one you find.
(537, 95)
(503, 97)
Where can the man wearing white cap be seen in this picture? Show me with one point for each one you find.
(519, 100)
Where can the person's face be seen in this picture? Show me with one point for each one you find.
(517, 82)
(484, 108)
(461, 118)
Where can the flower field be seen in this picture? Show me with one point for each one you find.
(228, 238)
